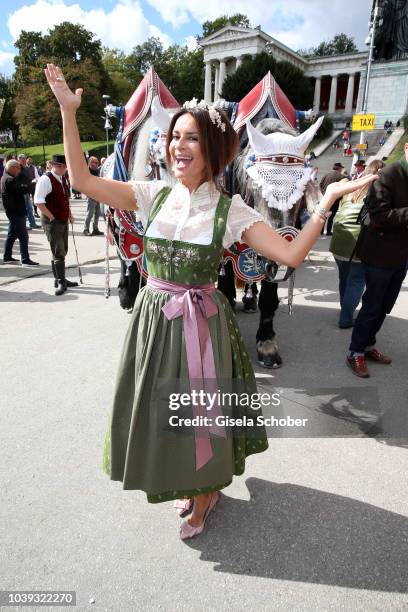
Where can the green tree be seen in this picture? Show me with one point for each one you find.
(182, 71)
(121, 88)
(338, 45)
(115, 64)
(66, 42)
(7, 121)
(79, 54)
(295, 85)
(238, 19)
(143, 57)
(292, 81)
(114, 60)
(37, 112)
(72, 42)
(31, 48)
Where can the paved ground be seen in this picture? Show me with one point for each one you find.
(90, 248)
(316, 523)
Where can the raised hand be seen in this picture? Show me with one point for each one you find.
(68, 100)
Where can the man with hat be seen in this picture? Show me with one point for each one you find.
(332, 177)
(52, 199)
(359, 168)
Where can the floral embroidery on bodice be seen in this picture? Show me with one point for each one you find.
(185, 262)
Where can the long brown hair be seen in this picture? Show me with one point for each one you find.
(218, 147)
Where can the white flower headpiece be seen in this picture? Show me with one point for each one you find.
(215, 116)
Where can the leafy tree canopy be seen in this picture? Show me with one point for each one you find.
(65, 43)
(114, 60)
(115, 63)
(183, 72)
(338, 45)
(6, 93)
(295, 85)
(179, 68)
(144, 56)
(77, 51)
(38, 114)
(238, 19)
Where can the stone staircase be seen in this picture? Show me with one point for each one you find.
(325, 161)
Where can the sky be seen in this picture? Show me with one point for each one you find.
(126, 23)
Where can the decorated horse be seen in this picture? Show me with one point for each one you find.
(271, 175)
(139, 155)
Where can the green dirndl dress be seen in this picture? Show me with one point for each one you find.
(136, 452)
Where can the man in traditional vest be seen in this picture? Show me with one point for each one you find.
(52, 199)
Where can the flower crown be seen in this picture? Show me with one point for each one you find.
(215, 116)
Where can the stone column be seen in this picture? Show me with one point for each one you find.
(221, 77)
(359, 106)
(238, 62)
(333, 95)
(207, 85)
(217, 81)
(316, 100)
(350, 93)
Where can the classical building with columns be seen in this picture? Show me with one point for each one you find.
(338, 80)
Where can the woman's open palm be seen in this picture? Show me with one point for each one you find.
(343, 187)
(68, 100)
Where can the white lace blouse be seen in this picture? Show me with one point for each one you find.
(190, 216)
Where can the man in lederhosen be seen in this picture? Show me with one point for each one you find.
(52, 198)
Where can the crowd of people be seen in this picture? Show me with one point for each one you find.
(31, 193)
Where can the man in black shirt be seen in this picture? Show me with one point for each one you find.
(13, 194)
(25, 178)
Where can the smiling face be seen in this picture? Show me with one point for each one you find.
(185, 152)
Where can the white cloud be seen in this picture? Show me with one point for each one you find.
(321, 21)
(296, 23)
(190, 42)
(124, 26)
(6, 63)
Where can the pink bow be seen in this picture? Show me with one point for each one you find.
(195, 304)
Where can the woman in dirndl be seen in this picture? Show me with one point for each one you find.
(182, 328)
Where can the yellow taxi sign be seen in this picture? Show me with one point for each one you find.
(361, 147)
(363, 123)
